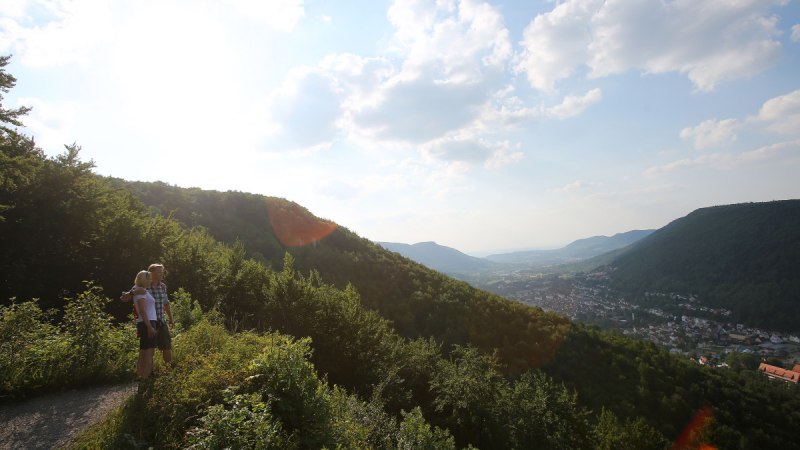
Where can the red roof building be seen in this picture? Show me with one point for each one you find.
(792, 376)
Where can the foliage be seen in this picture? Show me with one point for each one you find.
(85, 348)
(30, 347)
(636, 379)
(8, 116)
(250, 390)
(247, 423)
(612, 434)
(415, 434)
(284, 375)
(185, 311)
(741, 257)
(419, 302)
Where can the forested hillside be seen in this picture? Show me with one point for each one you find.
(741, 257)
(420, 302)
(321, 338)
(628, 378)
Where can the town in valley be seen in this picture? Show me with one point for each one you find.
(678, 322)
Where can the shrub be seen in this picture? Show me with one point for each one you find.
(98, 349)
(243, 422)
(185, 311)
(32, 350)
(37, 355)
(415, 433)
(285, 377)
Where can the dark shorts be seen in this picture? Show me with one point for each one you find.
(163, 337)
(146, 341)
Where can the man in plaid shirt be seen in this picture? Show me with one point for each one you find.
(159, 292)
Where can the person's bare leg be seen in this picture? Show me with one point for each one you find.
(146, 363)
(140, 364)
(167, 355)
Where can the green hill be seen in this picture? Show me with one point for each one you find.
(419, 301)
(743, 257)
(629, 378)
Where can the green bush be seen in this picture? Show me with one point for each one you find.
(246, 423)
(98, 349)
(32, 350)
(84, 347)
(285, 376)
(185, 311)
(416, 434)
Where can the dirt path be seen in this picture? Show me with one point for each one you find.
(54, 420)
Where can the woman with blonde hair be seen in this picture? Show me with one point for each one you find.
(146, 323)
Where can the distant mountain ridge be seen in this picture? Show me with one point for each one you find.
(575, 251)
(438, 257)
(451, 261)
(743, 257)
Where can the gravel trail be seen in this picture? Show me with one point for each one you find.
(54, 420)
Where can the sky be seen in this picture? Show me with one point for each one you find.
(483, 126)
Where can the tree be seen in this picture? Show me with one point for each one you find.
(9, 116)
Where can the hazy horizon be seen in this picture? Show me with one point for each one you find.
(477, 125)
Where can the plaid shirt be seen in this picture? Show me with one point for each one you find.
(160, 294)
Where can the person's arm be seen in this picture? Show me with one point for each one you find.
(167, 308)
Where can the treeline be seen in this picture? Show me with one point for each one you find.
(632, 379)
(399, 339)
(741, 257)
(419, 302)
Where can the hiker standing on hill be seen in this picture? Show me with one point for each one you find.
(158, 290)
(146, 323)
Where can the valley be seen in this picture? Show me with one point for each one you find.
(677, 322)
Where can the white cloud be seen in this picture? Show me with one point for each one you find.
(452, 63)
(65, 32)
(782, 113)
(50, 124)
(46, 33)
(421, 109)
(574, 105)
(447, 70)
(778, 115)
(504, 154)
(712, 133)
(305, 110)
(708, 40)
(727, 161)
(442, 89)
(555, 44)
(469, 150)
(453, 42)
(796, 33)
(14, 9)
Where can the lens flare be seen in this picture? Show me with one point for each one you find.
(295, 226)
(695, 431)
